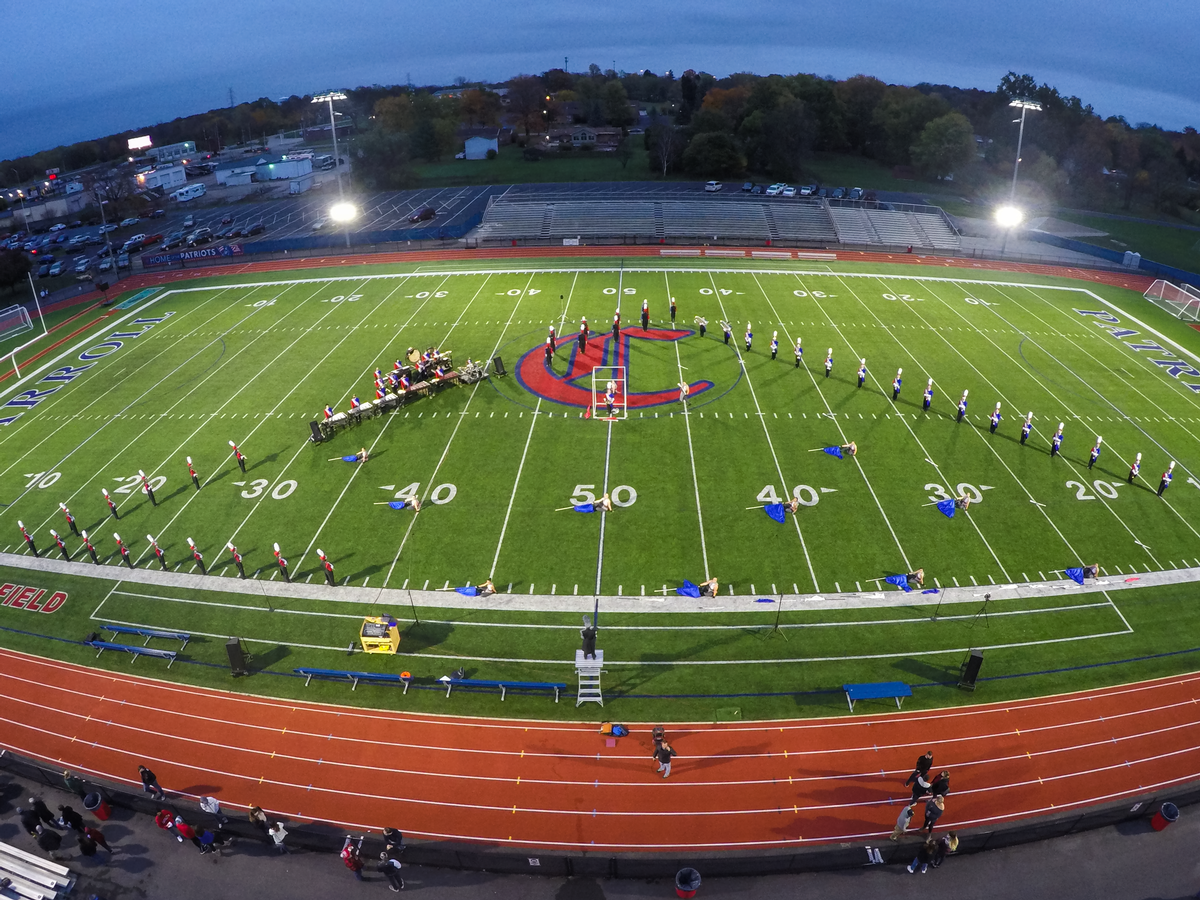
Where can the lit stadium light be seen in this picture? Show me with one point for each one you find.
(1009, 217)
(342, 212)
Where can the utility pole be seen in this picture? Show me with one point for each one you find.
(231, 98)
(566, 64)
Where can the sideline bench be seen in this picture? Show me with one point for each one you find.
(877, 690)
(354, 677)
(149, 633)
(136, 651)
(504, 686)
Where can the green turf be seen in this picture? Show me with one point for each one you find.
(254, 359)
(510, 167)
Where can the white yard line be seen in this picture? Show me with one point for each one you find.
(429, 485)
(516, 483)
(607, 454)
(904, 421)
(105, 600)
(383, 431)
(833, 417)
(767, 433)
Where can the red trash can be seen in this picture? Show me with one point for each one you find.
(1166, 814)
(97, 806)
(687, 882)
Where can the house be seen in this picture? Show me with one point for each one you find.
(599, 138)
(236, 173)
(269, 167)
(164, 177)
(478, 141)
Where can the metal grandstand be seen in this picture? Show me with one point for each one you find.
(684, 216)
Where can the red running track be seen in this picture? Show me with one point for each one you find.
(557, 785)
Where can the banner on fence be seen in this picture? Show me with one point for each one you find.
(165, 259)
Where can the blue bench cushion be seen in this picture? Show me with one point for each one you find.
(136, 651)
(149, 633)
(354, 677)
(876, 690)
(557, 687)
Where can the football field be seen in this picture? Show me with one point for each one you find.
(498, 466)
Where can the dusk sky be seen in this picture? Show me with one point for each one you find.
(95, 69)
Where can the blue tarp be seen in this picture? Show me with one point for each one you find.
(349, 459)
(947, 508)
(900, 581)
(1075, 575)
(397, 504)
(688, 590)
(468, 591)
(586, 507)
(834, 451)
(775, 511)
(930, 591)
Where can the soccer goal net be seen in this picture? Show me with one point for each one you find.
(14, 321)
(1181, 301)
(608, 392)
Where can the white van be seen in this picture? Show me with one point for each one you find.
(191, 192)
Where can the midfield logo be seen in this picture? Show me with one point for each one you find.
(574, 388)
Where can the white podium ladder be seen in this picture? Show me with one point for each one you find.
(589, 678)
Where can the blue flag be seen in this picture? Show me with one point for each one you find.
(930, 591)
(900, 581)
(468, 591)
(1075, 575)
(775, 511)
(586, 507)
(834, 451)
(947, 508)
(349, 459)
(397, 504)
(688, 590)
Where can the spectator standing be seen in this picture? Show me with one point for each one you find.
(184, 830)
(923, 859)
(29, 821)
(39, 809)
(903, 821)
(259, 819)
(925, 761)
(664, 753)
(165, 820)
(934, 807)
(150, 783)
(86, 845)
(49, 841)
(941, 785)
(278, 834)
(920, 787)
(352, 857)
(96, 835)
(393, 840)
(390, 867)
(68, 818)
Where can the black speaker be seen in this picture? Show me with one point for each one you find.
(498, 365)
(239, 659)
(102, 286)
(970, 670)
(317, 437)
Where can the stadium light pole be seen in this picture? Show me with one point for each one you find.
(329, 97)
(1024, 106)
(21, 194)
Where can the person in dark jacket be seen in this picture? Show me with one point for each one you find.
(941, 785)
(68, 818)
(934, 808)
(87, 846)
(920, 787)
(150, 783)
(664, 753)
(946, 845)
(40, 810)
(49, 841)
(924, 764)
(29, 820)
(924, 858)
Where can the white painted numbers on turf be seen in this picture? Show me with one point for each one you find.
(282, 491)
(133, 482)
(350, 298)
(907, 298)
(1106, 489)
(36, 478)
(805, 495)
(441, 495)
(962, 488)
(622, 495)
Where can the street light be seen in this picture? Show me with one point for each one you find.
(329, 97)
(342, 212)
(1024, 106)
(1008, 218)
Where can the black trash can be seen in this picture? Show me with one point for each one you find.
(687, 882)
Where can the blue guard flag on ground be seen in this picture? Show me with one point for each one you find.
(947, 507)
(349, 459)
(900, 581)
(397, 504)
(468, 591)
(585, 507)
(1075, 575)
(834, 451)
(688, 590)
(775, 511)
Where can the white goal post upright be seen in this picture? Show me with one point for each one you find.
(1183, 301)
(602, 376)
(15, 320)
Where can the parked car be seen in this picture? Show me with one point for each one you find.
(134, 243)
(320, 223)
(105, 265)
(823, 192)
(189, 221)
(838, 194)
(228, 220)
(77, 241)
(103, 252)
(158, 214)
(152, 239)
(174, 239)
(855, 194)
(713, 186)
(130, 222)
(78, 223)
(200, 236)
(808, 190)
(870, 196)
(82, 266)
(757, 189)
(57, 227)
(44, 269)
(789, 191)
(56, 269)
(775, 190)
(748, 186)
(424, 214)
(92, 240)
(123, 261)
(256, 228)
(223, 232)
(107, 229)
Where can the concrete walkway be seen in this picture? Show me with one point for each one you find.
(1126, 862)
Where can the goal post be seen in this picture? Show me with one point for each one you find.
(602, 378)
(1181, 301)
(14, 321)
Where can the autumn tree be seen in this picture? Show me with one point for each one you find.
(945, 146)
(526, 99)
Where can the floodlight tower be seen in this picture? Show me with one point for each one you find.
(329, 97)
(1024, 106)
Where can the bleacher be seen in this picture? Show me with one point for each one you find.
(564, 214)
(32, 877)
